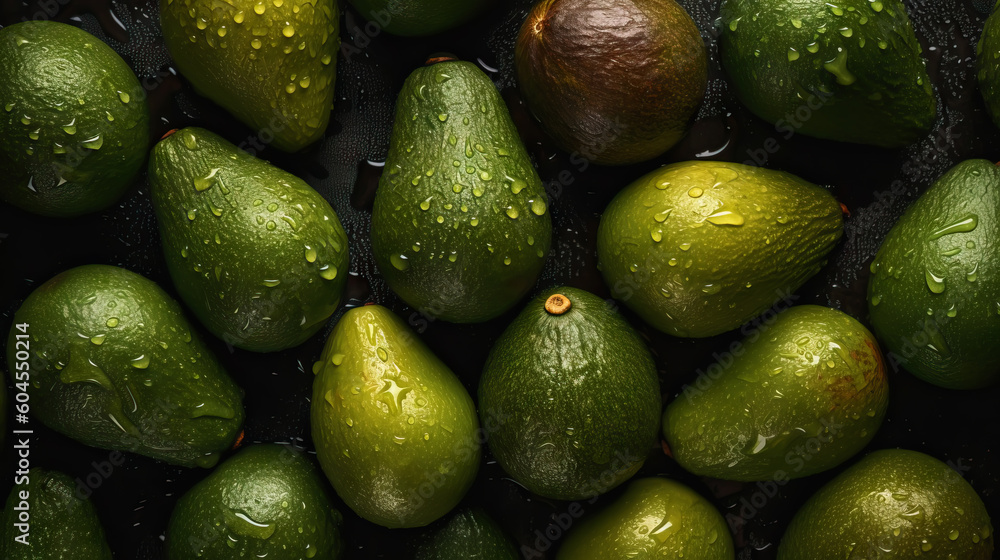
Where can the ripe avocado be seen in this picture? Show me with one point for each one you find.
(415, 18)
(615, 81)
(934, 292)
(271, 64)
(61, 526)
(389, 420)
(699, 248)
(255, 252)
(655, 518)
(74, 124)
(460, 228)
(470, 533)
(813, 377)
(586, 406)
(854, 65)
(892, 504)
(268, 501)
(115, 365)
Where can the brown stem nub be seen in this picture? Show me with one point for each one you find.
(434, 59)
(169, 132)
(557, 304)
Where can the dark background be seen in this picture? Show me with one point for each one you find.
(135, 501)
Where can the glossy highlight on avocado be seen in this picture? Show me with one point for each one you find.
(699, 248)
(892, 504)
(115, 365)
(801, 394)
(74, 124)
(257, 254)
(852, 66)
(934, 290)
(394, 429)
(576, 393)
(271, 64)
(460, 227)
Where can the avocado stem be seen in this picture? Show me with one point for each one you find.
(557, 304)
(437, 59)
(169, 132)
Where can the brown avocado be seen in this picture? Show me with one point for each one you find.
(616, 81)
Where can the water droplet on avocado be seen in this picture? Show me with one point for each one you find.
(98, 339)
(965, 224)
(838, 67)
(142, 362)
(244, 526)
(792, 54)
(726, 218)
(112, 322)
(537, 207)
(94, 143)
(400, 262)
(935, 283)
(328, 272)
(124, 96)
(695, 192)
(512, 212)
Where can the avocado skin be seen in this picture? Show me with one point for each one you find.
(884, 98)
(780, 393)
(181, 408)
(663, 256)
(988, 64)
(615, 94)
(587, 402)
(417, 18)
(961, 321)
(470, 533)
(62, 526)
(887, 491)
(279, 85)
(269, 225)
(61, 63)
(655, 518)
(496, 228)
(274, 485)
(390, 420)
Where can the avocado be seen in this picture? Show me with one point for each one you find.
(616, 93)
(586, 408)
(257, 254)
(74, 126)
(46, 520)
(415, 18)
(395, 430)
(849, 71)
(892, 504)
(699, 248)
(115, 365)
(655, 518)
(470, 533)
(800, 395)
(935, 285)
(988, 64)
(271, 64)
(268, 500)
(460, 228)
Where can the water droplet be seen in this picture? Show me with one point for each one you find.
(112, 322)
(838, 67)
(695, 192)
(876, 299)
(328, 272)
(953, 535)
(792, 54)
(512, 212)
(684, 246)
(726, 218)
(204, 183)
(846, 31)
(382, 354)
(288, 31)
(711, 288)
(657, 235)
(537, 206)
(243, 525)
(876, 5)
(934, 282)
(966, 224)
(442, 117)
(399, 262)
(124, 96)
(142, 362)
(518, 185)
(94, 143)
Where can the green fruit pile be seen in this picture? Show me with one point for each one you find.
(454, 347)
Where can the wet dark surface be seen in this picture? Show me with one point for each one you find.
(135, 500)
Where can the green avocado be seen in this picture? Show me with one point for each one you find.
(614, 94)
(267, 501)
(255, 252)
(892, 504)
(699, 248)
(934, 293)
(394, 429)
(800, 395)
(655, 518)
(848, 71)
(570, 396)
(272, 64)
(470, 533)
(74, 124)
(460, 228)
(114, 364)
(415, 18)
(45, 519)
